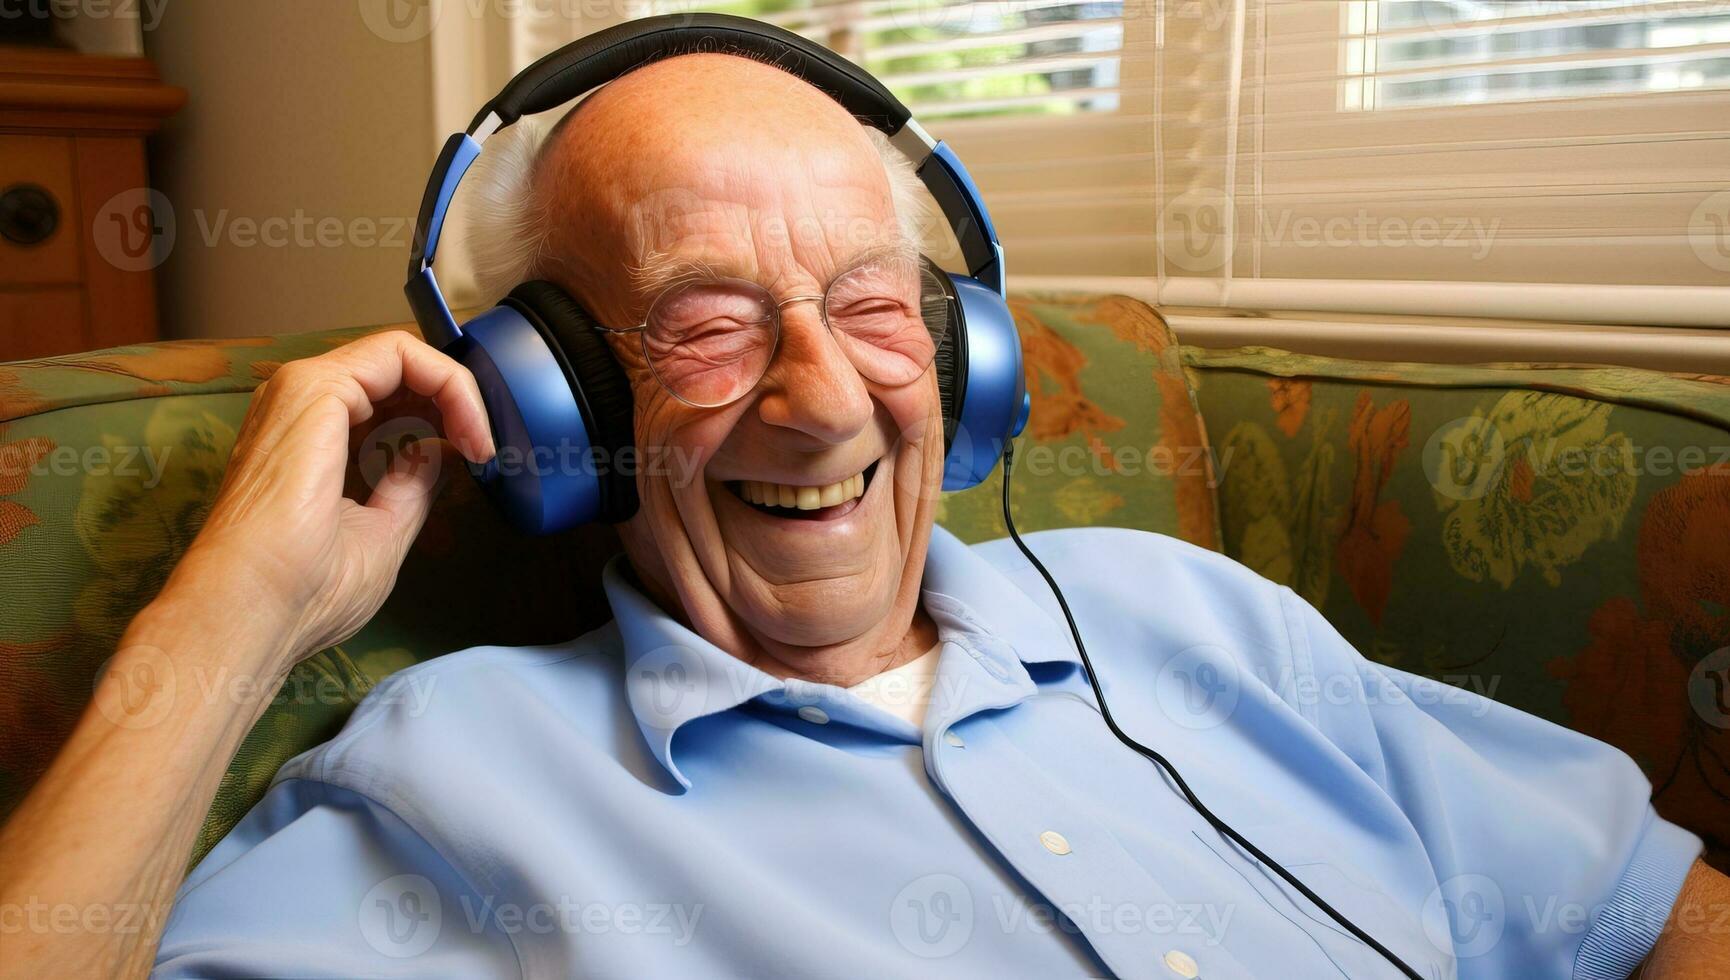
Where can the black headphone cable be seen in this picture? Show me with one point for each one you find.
(1161, 761)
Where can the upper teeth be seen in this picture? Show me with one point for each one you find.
(804, 498)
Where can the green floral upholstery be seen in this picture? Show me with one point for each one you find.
(1557, 538)
(109, 461)
(1110, 406)
(108, 464)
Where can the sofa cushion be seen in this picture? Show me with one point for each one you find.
(109, 462)
(1552, 536)
(1115, 437)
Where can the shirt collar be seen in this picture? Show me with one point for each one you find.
(996, 603)
(674, 676)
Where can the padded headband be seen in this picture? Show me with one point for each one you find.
(600, 57)
(590, 62)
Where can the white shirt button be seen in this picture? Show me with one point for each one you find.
(954, 739)
(814, 715)
(1182, 964)
(1054, 842)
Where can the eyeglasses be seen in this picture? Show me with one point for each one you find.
(710, 341)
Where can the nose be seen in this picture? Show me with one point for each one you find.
(812, 387)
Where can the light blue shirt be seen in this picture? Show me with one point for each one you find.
(636, 802)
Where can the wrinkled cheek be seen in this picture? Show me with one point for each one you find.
(919, 465)
(655, 455)
(663, 429)
(678, 458)
(682, 447)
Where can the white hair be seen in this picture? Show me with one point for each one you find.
(508, 231)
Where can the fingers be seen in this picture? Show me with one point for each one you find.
(405, 494)
(360, 374)
(312, 456)
(282, 504)
(306, 463)
(394, 360)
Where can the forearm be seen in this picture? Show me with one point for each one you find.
(1695, 945)
(89, 863)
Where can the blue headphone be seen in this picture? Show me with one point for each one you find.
(553, 391)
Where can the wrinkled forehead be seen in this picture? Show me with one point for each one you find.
(711, 159)
(755, 205)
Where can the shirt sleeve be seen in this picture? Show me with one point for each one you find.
(319, 881)
(1548, 856)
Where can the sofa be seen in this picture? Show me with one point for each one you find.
(1555, 537)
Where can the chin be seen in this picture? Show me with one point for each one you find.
(817, 564)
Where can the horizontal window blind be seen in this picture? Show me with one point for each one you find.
(1295, 141)
(1458, 52)
(968, 59)
(1313, 153)
(1048, 102)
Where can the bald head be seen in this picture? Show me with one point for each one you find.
(711, 99)
(706, 161)
(617, 176)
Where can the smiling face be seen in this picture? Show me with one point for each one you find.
(791, 525)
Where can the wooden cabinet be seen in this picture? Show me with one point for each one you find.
(80, 235)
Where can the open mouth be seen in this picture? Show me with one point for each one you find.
(804, 502)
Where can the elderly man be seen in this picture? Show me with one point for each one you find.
(820, 737)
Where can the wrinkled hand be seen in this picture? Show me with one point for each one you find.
(320, 562)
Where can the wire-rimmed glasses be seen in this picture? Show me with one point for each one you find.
(710, 340)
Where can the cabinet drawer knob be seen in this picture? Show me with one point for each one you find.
(29, 214)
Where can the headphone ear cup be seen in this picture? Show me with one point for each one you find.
(942, 310)
(602, 392)
(979, 378)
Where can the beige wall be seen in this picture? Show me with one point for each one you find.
(294, 171)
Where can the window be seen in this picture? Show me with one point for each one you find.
(1402, 53)
(970, 59)
(1049, 102)
(1584, 144)
(1204, 144)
